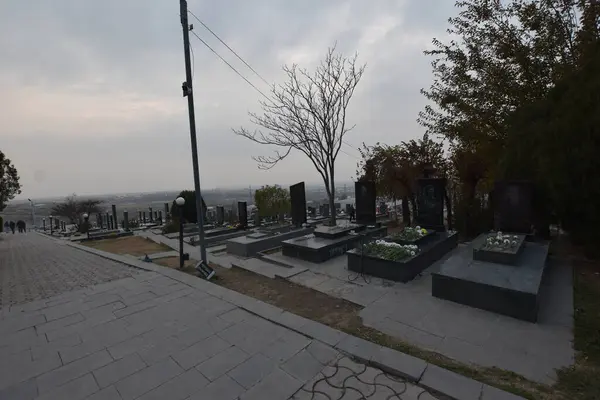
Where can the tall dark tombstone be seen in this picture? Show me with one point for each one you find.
(298, 204)
(513, 206)
(151, 216)
(99, 220)
(167, 212)
(160, 217)
(256, 219)
(312, 211)
(325, 210)
(348, 207)
(144, 217)
(366, 203)
(139, 217)
(243, 213)
(220, 215)
(107, 221)
(383, 208)
(337, 206)
(430, 203)
(115, 219)
(126, 220)
(112, 222)
(57, 224)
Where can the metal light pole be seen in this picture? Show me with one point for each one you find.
(180, 201)
(87, 226)
(32, 213)
(189, 93)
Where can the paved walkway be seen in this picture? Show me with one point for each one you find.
(32, 269)
(149, 336)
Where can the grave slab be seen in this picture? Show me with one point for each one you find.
(511, 290)
(406, 270)
(250, 245)
(319, 249)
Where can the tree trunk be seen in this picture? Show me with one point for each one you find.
(413, 203)
(448, 209)
(332, 210)
(405, 211)
(395, 211)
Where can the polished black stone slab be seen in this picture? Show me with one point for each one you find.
(438, 245)
(319, 249)
(511, 290)
(334, 232)
(419, 241)
(250, 245)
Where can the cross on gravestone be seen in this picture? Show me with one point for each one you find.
(513, 206)
(151, 217)
(243, 213)
(365, 195)
(220, 215)
(115, 219)
(298, 204)
(125, 220)
(430, 203)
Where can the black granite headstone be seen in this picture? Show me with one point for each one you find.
(220, 215)
(348, 207)
(338, 206)
(166, 211)
(383, 208)
(430, 203)
(513, 206)
(365, 203)
(298, 203)
(151, 215)
(325, 210)
(114, 213)
(243, 213)
(312, 211)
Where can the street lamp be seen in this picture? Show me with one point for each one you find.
(51, 225)
(180, 201)
(87, 226)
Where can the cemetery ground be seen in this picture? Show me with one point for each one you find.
(133, 245)
(151, 333)
(576, 382)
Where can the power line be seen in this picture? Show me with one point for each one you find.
(230, 49)
(229, 65)
(248, 65)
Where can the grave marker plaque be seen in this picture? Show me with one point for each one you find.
(220, 215)
(365, 203)
(513, 206)
(325, 211)
(298, 203)
(430, 203)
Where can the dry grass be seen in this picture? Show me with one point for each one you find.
(134, 245)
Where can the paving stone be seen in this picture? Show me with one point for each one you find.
(323, 353)
(77, 389)
(358, 347)
(73, 370)
(109, 393)
(147, 379)
(222, 362)
(14, 374)
(277, 385)
(398, 363)
(117, 370)
(236, 315)
(450, 383)
(59, 323)
(223, 388)
(201, 351)
(286, 346)
(252, 370)
(322, 332)
(19, 322)
(492, 393)
(302, 366)
(27, 390)
(178, 388)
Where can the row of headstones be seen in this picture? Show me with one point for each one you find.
(110, 221)
(55, 223)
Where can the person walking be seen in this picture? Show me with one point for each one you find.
(352, 213)
(12, 227)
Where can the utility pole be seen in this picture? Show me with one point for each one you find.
(188, 92)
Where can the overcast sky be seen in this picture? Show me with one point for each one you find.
(90, 91)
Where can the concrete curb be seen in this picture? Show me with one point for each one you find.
(443, 382)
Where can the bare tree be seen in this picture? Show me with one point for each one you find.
(308, 113)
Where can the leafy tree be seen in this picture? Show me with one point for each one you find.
(189, 208)
(272, 201)
(9, 181)
(73, 208)
(308, 114)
